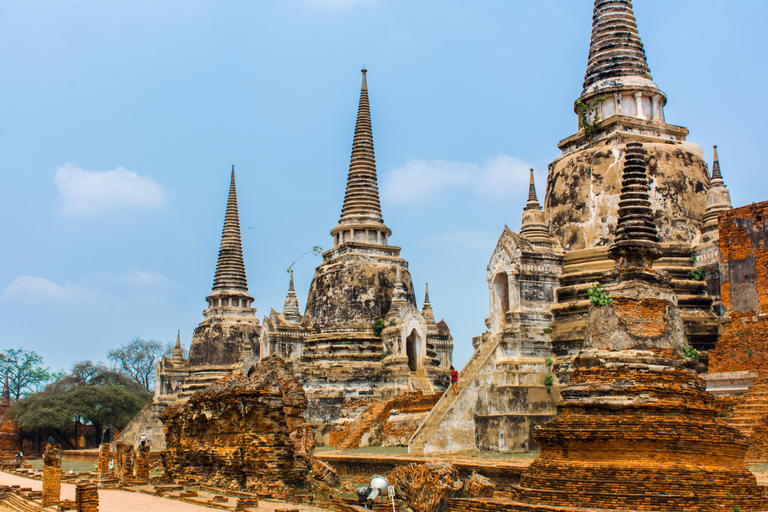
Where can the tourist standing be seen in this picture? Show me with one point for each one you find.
(454, 381)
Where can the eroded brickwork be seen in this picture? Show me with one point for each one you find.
(743, 344)
(51, 475)
(242, 433)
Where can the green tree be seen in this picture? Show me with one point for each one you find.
(90, 393)
(25, 370)
(138, 359)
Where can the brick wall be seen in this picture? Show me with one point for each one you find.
(743, 344)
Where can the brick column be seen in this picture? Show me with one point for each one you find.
(87, 497)
(142, 465)
(51, 475)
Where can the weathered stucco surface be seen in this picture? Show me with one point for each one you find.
(352, 288)
(583, 190)
(219, 340)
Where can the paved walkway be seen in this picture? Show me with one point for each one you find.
(112, 500)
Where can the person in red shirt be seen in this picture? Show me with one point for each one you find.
(454, 381)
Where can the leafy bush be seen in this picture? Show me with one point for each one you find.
(547, 330)
(378, 326)
(691, 352)
(548, 361)
(597, 297)
(697, 274)
(548, 381)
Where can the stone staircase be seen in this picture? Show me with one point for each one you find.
(751, 408)
(444, 405)
(146, 421)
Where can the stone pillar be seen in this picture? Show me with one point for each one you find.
(657, 117)
(87, 497)
(142, 464)
(617, 101)
(124, 462)
(51, 475)
(513, 289)
(639, 103)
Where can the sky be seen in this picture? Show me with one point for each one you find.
(120, 121)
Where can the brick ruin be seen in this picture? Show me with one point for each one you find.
(51, 475)
(241, 433)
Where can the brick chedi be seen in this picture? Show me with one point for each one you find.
(621, 103)
(364, 334)
(636, 429)
(242, 433)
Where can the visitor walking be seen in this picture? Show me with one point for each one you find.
(454, 381)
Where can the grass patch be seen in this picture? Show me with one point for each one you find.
(66, 465)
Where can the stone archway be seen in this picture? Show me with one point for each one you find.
(413, 349)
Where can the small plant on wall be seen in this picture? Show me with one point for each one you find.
(548, 381)
(584, 110)
(378, 326)
(597, 297)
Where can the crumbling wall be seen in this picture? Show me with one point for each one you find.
(743, 344)
(242, 433)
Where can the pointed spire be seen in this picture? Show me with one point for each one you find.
(427, 313)
(533, 201)
(718, 200)
(230, 269)
(615, 49)
(716, 166)
(178, 355)
(533, 226)
(291, 311)
(6, 391)
(636, 243)
(361, 201)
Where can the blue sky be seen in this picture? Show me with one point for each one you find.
(119, 122)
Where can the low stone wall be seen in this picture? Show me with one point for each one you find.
(93, 455)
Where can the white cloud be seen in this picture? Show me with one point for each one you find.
(43, 291)
(336, 4)
(419, 181)
(38, 290)
(87, 193)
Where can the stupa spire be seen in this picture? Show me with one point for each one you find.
(361, 201)
(533, 201)
(361, 219)
(533, 226)
(178, 355)
(291, 311)
(427, 304)
(230, 269)
(615, 49)
(637, 240)
(716, 166)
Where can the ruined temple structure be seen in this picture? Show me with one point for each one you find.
(242, 432)
(636, 429)
(362, 334)
(539, 278)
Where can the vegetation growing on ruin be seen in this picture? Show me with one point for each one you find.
(597, 297)
(697, 274)
(584, 110)
(316, 250)
(378, 326)
(548, 381)
(691, 352)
